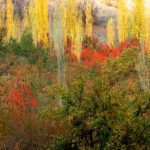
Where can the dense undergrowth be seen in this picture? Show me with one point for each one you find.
(104, 105)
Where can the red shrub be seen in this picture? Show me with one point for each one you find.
(33, 103)
(89, 57)
(115, 52)
(99, 56)
(86, 53)
(21, 99)
(105, 49)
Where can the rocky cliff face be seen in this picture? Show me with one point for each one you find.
(100, 11)
(101, 15)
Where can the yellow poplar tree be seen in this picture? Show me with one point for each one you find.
(147, 35)
(71, 22)
(79, 38)
(122, 20)
(39, 21)
(32, 20)
(17, 27)
(72, 14)
(64, 20)
(45, 20)
(73, 26)
(139, 19)
(1, 24)
(110, 32)
(9, 19)
(2, 14)
(25, 21)
(89, 20)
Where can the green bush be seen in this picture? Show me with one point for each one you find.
(23, 48)
(13, 46)
(26, 44)
(26, 50)
(2, 35)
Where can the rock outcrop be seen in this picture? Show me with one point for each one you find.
(100, 11)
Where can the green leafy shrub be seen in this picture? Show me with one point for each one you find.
(23, 48)
(13, 46)
(26, 44)
(2, 35)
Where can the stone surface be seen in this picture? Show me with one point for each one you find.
(100, 11)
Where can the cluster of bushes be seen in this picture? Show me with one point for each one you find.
(107, 109)
(25, 50)
(104, 106)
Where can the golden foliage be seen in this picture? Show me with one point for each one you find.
(9, 19)
(79, 38)
(147, 36)
(39, 21)
(123, 25)
(17, 28)
(139, 19)
(64, 20)
(42, 23)
(32, 20)
(110, 32)
(2, 15)
(72, 14)
(89, 20)
(45, 20)
(74, 26)
(25, 21)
